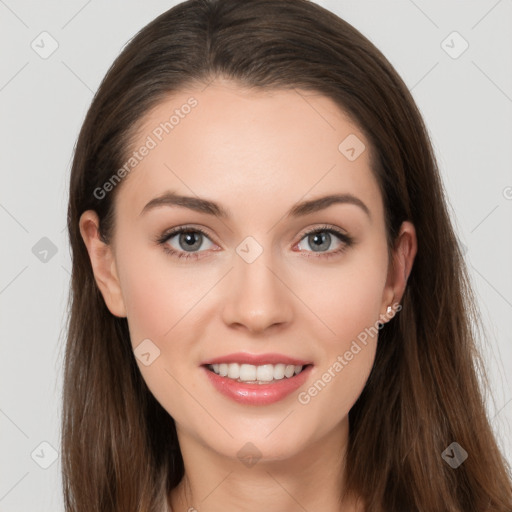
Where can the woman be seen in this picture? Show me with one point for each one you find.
(267, 292)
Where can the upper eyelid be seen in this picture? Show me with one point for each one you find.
(170, 233)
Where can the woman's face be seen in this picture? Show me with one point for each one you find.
(251, 286)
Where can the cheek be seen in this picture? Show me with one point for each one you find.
(338, 384)
(146, 303)
(347, 298)
(348, 302)
(352, 312)
(156, 294)
(159, 304)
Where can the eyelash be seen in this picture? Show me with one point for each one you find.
(163, 239)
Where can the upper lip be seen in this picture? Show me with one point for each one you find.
(256, 359)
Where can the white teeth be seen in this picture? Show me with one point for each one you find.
(233, 371)
(289, 371)
(251, 373)
(265, 372)
(279, 371)
(247, 372)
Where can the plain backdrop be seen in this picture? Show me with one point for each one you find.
(461, 82)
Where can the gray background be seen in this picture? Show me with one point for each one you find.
(466, 101)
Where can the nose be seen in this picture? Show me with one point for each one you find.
(257, 297)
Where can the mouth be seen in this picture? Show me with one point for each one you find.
(256, 374)
(257, 385)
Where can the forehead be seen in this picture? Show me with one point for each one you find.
(247, 147)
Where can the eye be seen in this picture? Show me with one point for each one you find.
(188, 241)
(322, 238)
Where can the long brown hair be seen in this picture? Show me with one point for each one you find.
(119, 446)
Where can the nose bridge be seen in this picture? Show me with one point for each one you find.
(257, 296)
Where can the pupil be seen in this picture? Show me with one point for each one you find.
(188, 239)
(323, 238)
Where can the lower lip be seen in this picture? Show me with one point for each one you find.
(257, 394)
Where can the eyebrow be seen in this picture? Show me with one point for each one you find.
(211, 208)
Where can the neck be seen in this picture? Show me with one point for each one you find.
(310, 479)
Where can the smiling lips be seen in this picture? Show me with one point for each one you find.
(257, 379)
(257, 368)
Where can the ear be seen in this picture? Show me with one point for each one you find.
(103, 263)
(403, 254)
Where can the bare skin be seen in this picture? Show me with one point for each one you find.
(256, 154)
